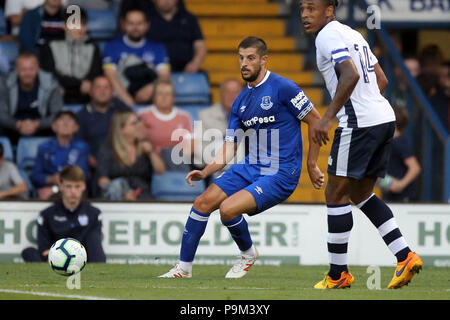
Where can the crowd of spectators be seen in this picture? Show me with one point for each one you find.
(59, 64)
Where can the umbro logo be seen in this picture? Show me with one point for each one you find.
(330, 161)
(258, 190)
(243, 108)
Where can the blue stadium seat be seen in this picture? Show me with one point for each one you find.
(11, 51)
(102, 24)
(75, 108)
(191, 88)
(193, 110)
(27, 149)
(172, 186)
(7, 148)
(136, 108)
(2, 23)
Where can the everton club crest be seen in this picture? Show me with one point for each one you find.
(266, 103)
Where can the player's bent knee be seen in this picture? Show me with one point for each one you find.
(204, 204)
(226, 211)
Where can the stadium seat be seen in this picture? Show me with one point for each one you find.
(30, 188)
(172, 186)
(136, 108)
(75, 108)
(7, 148)
(191, 88)
(11, 51)
(102, 24)
(27, 149)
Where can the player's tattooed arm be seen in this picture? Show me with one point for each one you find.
(315, 174)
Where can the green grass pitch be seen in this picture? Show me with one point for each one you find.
(208, 283)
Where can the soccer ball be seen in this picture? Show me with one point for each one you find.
(67, 256)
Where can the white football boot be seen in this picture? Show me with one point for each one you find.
(242, 266)
(176, 272)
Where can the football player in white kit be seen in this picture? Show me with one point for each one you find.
(361, 145)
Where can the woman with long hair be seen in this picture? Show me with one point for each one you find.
(126, 162)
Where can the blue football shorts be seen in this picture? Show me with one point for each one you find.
(268, 190)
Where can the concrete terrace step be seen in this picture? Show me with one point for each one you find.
(275, 44)
(233, 9)
(242, 27)
(300, 78)
(278, 62)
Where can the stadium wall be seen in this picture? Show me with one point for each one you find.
(286, 234)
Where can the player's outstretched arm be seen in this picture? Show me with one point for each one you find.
(316, 176)
(223, 156)
(348, 78)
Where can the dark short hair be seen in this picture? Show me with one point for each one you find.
(333, 3)
(62, 113)
(254, 42)
(135, 8)
(71, 173)
(401, 118)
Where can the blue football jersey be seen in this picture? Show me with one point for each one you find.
(269, 116)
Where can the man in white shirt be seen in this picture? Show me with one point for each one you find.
(361, 145)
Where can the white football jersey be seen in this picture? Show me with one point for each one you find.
(367, 107)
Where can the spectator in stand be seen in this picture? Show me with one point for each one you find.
(162, 119)
(12, 185)
(15, 10)
(431, 85)
(74, 61)
(180, 32)
(403, 166)
(42, 24)
(29, 99)
(132, 63)
(431, 59)
(217, 115)
(94, 118)
(69, 217)
(399, 92)
(126, 162)
(55, 154)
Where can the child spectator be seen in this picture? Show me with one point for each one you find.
(57, 153)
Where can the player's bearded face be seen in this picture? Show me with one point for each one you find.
(250, 63)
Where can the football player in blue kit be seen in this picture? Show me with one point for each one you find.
(268, 112)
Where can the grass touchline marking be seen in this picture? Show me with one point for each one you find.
(51, 294)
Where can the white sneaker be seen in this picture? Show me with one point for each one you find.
(241, 266)
(176, 272)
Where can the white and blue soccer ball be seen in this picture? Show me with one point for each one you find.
(67, 256)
